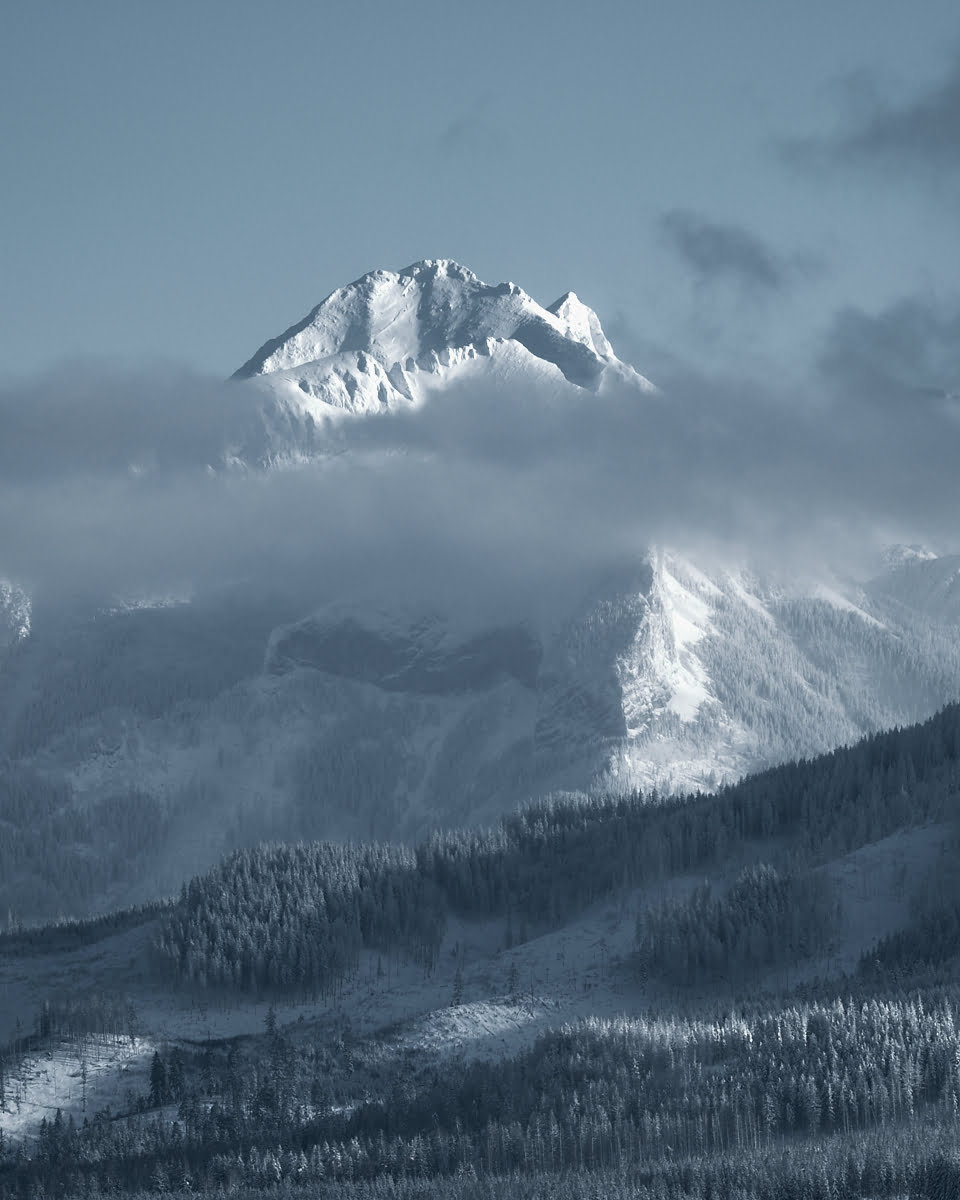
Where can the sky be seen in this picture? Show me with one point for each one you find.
(760, 201)
(721, 182)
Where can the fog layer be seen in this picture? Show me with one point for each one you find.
(121, 482)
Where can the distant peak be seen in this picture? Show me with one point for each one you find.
(432, 307)
(581, 323)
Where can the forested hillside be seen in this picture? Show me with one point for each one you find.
(295, 918)
(722, 1081)
(855, 1097)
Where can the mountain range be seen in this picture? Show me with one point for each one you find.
(143, 736)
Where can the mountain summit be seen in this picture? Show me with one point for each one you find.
(378, 342)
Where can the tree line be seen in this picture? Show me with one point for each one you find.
(295, 918)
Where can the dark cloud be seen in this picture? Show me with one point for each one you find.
(485, 499)
(910, 350)
(921, 134)
(724, 253)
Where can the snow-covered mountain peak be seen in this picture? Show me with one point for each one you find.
(438, 266)
(363, 348)
(581, 324)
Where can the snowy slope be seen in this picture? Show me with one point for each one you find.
(926, 583)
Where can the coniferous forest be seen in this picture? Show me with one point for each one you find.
(750, 1066)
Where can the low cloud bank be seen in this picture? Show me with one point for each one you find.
(116, 482)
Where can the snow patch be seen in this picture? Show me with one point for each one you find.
(15, 612)
(78, 1076)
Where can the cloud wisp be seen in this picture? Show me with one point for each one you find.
(721, 253)
(726, 253)
(916, 137)
(472, 132)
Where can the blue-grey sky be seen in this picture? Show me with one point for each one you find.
(726, 183)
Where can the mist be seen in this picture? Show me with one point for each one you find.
(118, 482)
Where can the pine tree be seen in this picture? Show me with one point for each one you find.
(158, 1081)
(175, 1075)
(513, 981)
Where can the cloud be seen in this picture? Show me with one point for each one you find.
(84, 418)
(723, 253)
(921, 134)
(485, 500)
(457, 133)
(906, 352)
(472, 132)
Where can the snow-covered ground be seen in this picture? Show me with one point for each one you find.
(79, 1077)
(876, 884)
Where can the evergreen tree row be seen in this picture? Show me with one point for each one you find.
(765, 918)
(294, 918)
